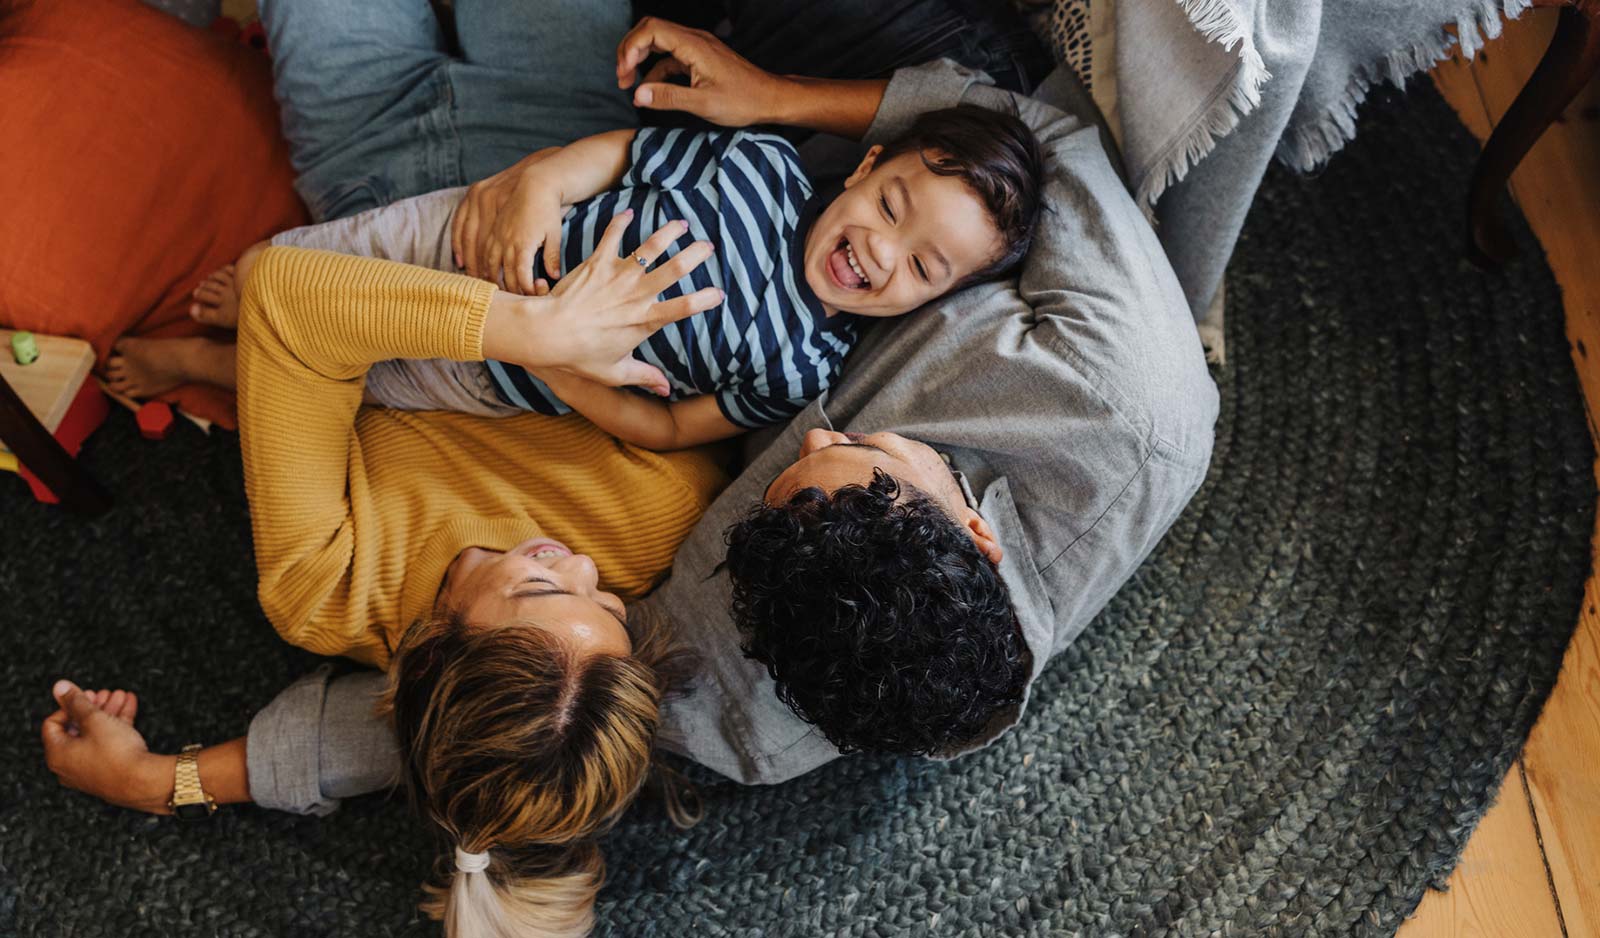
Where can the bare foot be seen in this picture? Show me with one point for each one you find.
(147, 367)
(217, 299)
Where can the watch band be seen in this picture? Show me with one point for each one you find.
(189, 799)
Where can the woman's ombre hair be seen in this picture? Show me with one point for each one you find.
(516, 746)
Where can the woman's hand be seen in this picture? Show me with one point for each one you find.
(593, 319)
(91, 745)
(724, 88)
(504, 220)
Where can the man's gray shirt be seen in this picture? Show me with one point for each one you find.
(1074, 404)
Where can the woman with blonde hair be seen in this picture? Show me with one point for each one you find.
(525, 708)
(520, 755)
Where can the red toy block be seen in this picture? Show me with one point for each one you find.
(155, 420)
(87, 412)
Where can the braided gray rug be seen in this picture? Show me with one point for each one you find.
(1288, 723)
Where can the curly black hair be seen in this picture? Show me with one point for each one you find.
(878, 617)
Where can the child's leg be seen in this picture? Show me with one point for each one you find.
(147, 367)
(435, 384)
(412, 231)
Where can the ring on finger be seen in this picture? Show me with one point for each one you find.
(643, 264)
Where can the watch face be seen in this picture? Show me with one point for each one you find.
(196, 811)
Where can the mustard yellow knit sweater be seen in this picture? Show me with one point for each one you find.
(357, 512)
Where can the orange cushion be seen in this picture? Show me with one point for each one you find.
(140, 155)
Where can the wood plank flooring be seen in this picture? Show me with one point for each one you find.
(1552, 796)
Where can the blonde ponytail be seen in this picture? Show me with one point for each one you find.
(555, 902)
(520, 754)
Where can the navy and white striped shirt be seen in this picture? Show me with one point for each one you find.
(769, 349)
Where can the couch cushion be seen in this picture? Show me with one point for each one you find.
(141, 154)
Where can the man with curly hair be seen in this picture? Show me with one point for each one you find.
(877, 609)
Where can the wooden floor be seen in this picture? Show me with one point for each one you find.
(1532, 868)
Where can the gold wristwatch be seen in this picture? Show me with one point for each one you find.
(189, 800)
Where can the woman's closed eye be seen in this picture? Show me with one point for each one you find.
(888, 212)
(617, 611)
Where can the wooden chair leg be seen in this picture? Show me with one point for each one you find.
(1569, 63)
(35, 448)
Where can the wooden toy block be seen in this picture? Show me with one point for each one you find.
(49, 409)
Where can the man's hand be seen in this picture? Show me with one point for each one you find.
(590, 322)
(723, 87)
(504, 219)
(90, 744)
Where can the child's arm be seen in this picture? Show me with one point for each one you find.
(585, 168)
(632, 418)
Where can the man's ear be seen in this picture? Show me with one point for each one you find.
(867, 162)
(983, 536)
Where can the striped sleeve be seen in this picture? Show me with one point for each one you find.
(673, 158)
(751, 408)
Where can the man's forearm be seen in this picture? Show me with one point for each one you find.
(834, 106)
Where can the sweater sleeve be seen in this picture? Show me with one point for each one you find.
(310, 325)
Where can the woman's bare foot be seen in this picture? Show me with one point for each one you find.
(217, 299)
(147, 367)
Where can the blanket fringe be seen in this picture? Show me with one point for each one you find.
(1311, 144)
(1218, 22)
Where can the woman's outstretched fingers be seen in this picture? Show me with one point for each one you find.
(657, 244)
(637, 374)
(682, 307)
(679, 265)
(611, 239)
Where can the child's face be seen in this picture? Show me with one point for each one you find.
(912, 234)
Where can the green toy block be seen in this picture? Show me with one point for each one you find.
(23, 348)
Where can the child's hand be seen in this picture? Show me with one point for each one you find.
(503, 221)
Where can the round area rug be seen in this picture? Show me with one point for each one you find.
(1287, 723)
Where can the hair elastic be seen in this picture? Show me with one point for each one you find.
(471, 862)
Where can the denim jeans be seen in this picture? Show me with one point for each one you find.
(378, 106)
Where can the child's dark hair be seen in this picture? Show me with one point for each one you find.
(998, 158)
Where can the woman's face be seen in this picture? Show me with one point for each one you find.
(543, 583)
